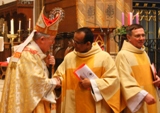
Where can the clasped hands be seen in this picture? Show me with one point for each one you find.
(58, 81)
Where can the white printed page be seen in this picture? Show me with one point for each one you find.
(85, 72)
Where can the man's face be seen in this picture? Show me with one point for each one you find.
(79, 44)
(137, 37)
(47, 43)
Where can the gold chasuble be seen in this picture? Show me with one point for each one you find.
(75, 99)
(135, 74)
(27, 83)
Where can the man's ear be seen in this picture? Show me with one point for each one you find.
(128, 37)
(41, 39)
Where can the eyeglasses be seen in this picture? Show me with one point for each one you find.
(76, 42)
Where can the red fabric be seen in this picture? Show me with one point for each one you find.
(30, 50)
(48, 21)
(4, 63)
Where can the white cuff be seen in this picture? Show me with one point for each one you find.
(136, 101)
(96, 93)
(49, 95)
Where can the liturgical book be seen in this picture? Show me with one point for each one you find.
(154, 72)
(85, 72)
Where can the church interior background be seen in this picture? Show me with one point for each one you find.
(106, 18)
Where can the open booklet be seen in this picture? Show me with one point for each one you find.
(85, 72)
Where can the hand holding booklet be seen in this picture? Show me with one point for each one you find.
(85, 72)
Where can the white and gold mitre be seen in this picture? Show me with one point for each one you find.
(49, 25)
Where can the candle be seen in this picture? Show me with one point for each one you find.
(130, 18)
(3, 28)
(1, 43)
(29, 23)
(19, 25)
(159, 32)
(12, 26)
(137, 18)
(122, 19)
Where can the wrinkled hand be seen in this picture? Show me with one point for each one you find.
(157, 81)
(50, 60)
(85, 83)
(149, 99)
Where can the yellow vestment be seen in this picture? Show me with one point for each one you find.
(74, 99)
(27, 83)
(133, 65)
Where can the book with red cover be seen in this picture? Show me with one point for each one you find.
(154, 72)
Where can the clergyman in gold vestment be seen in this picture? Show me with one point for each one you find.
(27, 88)
(138, 89)
(77, 93)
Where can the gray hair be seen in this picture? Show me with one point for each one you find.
(37, 35)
